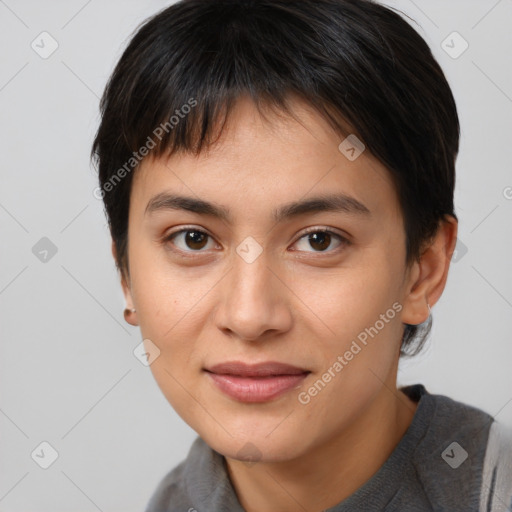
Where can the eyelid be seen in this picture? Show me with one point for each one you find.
(324, 229)
(187, 228)
(183, 229)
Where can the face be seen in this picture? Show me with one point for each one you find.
(248, 278)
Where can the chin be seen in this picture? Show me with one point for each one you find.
(267, 442)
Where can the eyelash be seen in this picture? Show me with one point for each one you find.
(343, 240)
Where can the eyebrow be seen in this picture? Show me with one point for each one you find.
(341, 203)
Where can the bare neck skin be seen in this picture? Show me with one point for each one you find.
(334, 470)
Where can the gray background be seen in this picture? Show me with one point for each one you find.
(68, 375)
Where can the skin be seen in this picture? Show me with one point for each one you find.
(295, 303)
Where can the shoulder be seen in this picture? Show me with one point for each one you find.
(200, 482)
(497, 469)
(450, 458)
(171, 489)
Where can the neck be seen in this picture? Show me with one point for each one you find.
(324, 477)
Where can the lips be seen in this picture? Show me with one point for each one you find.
(270, 368)
(255, 382)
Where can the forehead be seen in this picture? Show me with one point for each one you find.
(270, 160)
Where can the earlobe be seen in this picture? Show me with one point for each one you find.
(428, 276)
(416, 303)
(130, 311)
(129, 316)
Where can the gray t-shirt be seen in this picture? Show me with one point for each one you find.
(438, 465)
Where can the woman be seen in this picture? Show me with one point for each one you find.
(278, 178)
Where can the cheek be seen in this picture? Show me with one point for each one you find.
(170, 315)
(172, 304)
(167, 295)
(348, 302)
(358, 352)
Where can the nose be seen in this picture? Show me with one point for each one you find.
(254, 301)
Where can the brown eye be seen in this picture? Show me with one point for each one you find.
(189, 240)
(321, 240)
(195, 239)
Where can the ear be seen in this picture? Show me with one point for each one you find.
(125, 285)
(427, 277)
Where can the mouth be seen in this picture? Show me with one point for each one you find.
(255, 382)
